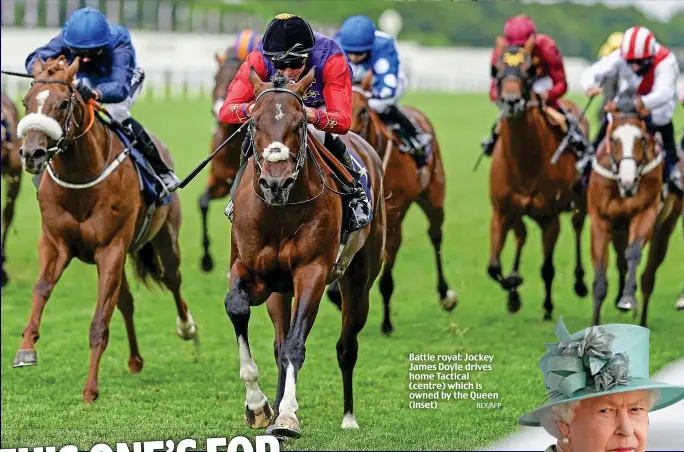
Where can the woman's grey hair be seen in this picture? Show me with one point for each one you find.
(565, 413)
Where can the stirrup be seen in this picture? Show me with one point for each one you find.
(228, 211)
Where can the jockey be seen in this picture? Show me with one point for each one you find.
(371, 50)
(644, 66)
(551, 86)
(610, 86)
(107, 73)
(245, 43)
(290, 47)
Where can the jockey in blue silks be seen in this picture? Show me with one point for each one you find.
(108, 73)
(369, 49)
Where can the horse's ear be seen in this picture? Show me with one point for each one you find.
(305, 82)
(500, 43)
(528, 47)
(367, 81)
(220, 58)
(255, 80)
(37, 68)
(73, 69)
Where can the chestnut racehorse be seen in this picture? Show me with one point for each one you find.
(403, 187)
(92, 209)
(285, 237)
(523, 181)
(225, 164)
(625, 207)
(11, 172)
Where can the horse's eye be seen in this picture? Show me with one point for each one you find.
(63, 105)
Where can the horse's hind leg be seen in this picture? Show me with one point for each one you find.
(165, 244)
(53, 261)
(216, 189)
(355, 304)
(432, 203)
(550, 231)
(13, 182)
(656, 256)
(386, 280)
(578, 218)
(125, 305)
(110, 269)
(258, 412)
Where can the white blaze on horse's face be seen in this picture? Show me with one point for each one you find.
(627, 135)
(39, 121)
(276, 152)
(279, 112)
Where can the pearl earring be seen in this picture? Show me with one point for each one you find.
(566, 440)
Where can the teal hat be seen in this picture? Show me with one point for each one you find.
(597, 361)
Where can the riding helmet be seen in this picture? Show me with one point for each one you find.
(357, 34)
(287, 37)
(87, 28)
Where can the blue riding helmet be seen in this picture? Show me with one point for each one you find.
(86, 29)
(357, 34)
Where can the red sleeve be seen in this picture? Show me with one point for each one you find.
(337, 92)
(492, 88)
(549, 53)
(240, 92)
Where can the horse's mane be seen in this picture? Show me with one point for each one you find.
(625, 104)
(54, 65)
(279, 80)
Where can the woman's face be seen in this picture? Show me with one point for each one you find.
(616, 423)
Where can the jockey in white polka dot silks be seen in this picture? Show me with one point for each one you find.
(290, 47)
(372, 50)
(108, 73)
(650, 69)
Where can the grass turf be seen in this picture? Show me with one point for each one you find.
(175, 398)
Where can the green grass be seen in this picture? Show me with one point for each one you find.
(175, 398)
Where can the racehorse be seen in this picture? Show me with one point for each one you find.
(92, 209)
(11, 172)
(624, 199)
(523, 181)
(225, 164)
(285, 238)
(403, 187)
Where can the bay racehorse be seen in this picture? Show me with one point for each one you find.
(285, 238)
(523, 181)
(11, 172)
(225, 164)
(91, 209)
(625, 207)
(404, 184)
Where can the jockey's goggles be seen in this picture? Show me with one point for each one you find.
(289, 64)
(87, 53)
(641, 61)
(293, 57)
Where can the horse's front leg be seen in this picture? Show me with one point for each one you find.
(54, 257)
(309, 283)
(243, 294)
(600, 238)
(110, 262)
(640, 230)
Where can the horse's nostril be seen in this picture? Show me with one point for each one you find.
(21, 152)
(288, 183)
(39, 154)
(263, 184)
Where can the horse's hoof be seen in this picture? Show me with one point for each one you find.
(627, 303)
(494, 271)
(581, 289)
(90, 395)
(285, 426)
(450, 301)
(186, 330)
(679, 304)
(135, 364)
(25, 358)
(207, 263)
(512, 281)
(349, 422)
(514, 302)
(547, 316)
(260, 418)
(387, 329)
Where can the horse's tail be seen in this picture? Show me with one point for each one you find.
(147, 265)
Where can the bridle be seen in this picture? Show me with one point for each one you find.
(643, 167)
(513, 59)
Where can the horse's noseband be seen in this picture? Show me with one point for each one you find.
(514, 61)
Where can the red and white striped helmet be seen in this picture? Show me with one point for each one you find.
(638, 43)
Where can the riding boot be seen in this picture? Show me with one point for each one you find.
(580, 143)
(671, 174)
(145, 144)
(359, 205)
(247, 150)
(417, 139)
(489, 142)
